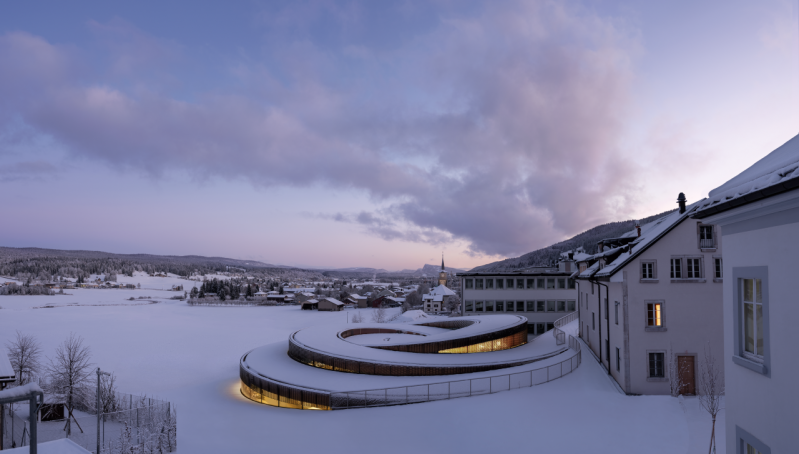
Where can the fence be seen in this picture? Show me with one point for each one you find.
(457, 388)
(139, 423)
(560, 336)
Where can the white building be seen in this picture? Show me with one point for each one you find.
(650, 303)
(436, 301)
(758, 212)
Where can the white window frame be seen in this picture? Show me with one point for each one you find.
(675, 270)
(692, 272)
(655, 328)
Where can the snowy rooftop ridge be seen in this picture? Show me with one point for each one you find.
(6, 371)
(773, 171)
(20, 391)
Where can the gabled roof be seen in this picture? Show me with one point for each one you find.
(650, 233)
(777, 172)
(333, 300)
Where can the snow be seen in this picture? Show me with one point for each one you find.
(20, 391)
(6, 371)
(63, 446)
(190, 356)
(777, 167)
(414, 315)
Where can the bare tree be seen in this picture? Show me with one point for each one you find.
(380, 315)
(413, 299)
(24, 353)
(676, 374)
(711, 390)
(423, 289)
(69, 376)
(406, 306)
(356, 317)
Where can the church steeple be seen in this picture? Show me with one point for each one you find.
(442, 261)
(442, 275)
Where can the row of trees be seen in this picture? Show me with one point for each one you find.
(14, 289)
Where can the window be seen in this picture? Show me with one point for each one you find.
(500, 306)
(571, 284)
(478, 284)
(540, 283)
(561, 306)
(500, 283)
(647, 270)
(718, 268)
(693, 268)
(550, 283)
(489, 283)
(593, 321)
(749, 449)
(550, 326)
(531, 306)
(618, 359)
(550, 306)
(752, 318)
(749, 444)
(583, 267)
(676, 268)
(656, 365)
(489, 306)
(572, 306)
(540, 306)
(706, 239)
(561, 283)
(478, 306)
(539, 328)
(469, 306)
(519, 284)
(617, 314)
(654, 314)
(519, 306)
(469, 283)
(531, 283)
(510, 306)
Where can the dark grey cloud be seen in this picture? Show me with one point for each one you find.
(499, 128)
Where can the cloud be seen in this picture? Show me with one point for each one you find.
(499, 128)
(26, 170)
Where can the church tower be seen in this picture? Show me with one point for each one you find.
(442, 275)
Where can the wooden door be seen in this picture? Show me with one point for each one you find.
(685, 366)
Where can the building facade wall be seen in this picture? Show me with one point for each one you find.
(690, 311)
(763, 405)
(541, 320)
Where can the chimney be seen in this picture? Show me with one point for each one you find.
(638, 228)
(571, 255)
(681, 201)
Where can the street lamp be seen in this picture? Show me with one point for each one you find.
(99, 410)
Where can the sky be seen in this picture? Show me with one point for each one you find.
(374, 133)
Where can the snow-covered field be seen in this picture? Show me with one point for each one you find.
(189, 355)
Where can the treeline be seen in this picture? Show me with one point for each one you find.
(14, 289)
(233, 288)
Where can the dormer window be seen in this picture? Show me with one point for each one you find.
(707, 239)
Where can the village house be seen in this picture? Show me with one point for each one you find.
(650, 302)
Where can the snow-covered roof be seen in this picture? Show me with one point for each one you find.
(442, 290)
(355, 296)
(650, 233)
(20, 391)
(776, 172)
(333, 300)
(62, 446)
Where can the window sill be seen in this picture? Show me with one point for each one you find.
(709, 249)
(749, 364)
(655, 329)
(657, 379)
(649, 281)
(718, 279)
(688, 281)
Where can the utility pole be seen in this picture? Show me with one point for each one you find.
(99, 410)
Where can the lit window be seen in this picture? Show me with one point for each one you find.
(656, 365)
(751, 449)
(753, 318)
(654, 316)
(676, 268)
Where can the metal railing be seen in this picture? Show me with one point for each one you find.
(457, 388)
(707, 244)
(560, 336)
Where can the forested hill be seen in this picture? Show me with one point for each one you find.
(35, 262)
(587, 240)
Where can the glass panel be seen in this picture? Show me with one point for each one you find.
(572, 306)
(758, 291)
(500, 283)
(531, 306)
(539, 328)
(469, 306)
(478, 306)
(657, 315)
(540, 306)
(540, 283)
(520, 283)
(550, 306)
(571, 284)
(749, 327)
(748, 290)
(759, 328)
(561, 283)
(510, 306)
(489, 283)
(478, 284)
(489, 306)
(550, 283)
(469, 283)
(500, 306)
(509, 283)
(530, 283)
(561, 306)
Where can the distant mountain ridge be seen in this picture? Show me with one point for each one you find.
(587, 240)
